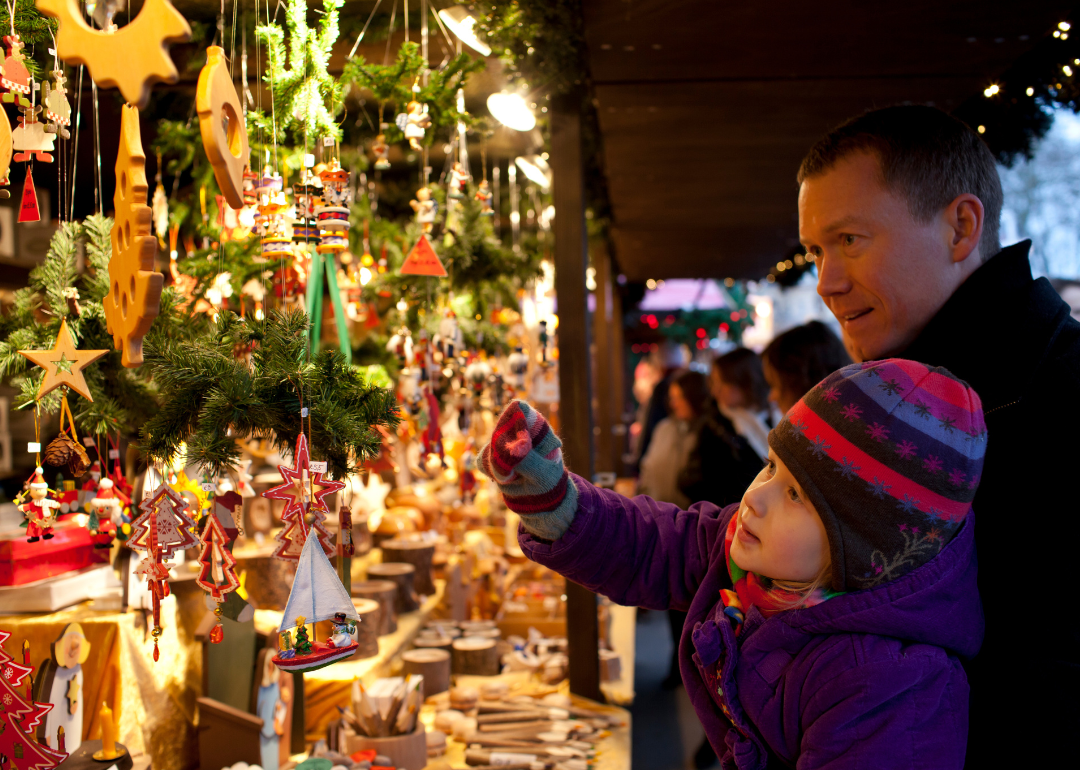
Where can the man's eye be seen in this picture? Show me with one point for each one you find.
(848, 240)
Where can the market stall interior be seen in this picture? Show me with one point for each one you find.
(268, 276)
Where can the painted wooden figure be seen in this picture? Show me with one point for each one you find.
(40, 511)
(60, 683)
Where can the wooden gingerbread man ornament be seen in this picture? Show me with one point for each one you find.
(130, 58)
(221, 122)
(134, 299)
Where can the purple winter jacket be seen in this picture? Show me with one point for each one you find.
(867, 679)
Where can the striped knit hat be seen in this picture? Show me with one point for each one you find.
(524, 458)
(889, 454)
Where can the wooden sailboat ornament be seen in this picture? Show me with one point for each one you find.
(317, 594)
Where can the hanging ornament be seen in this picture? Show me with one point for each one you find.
(41, 509)
(65, 449)
(161, 530)
(422, 260)
(134, 299)
(381, 150)
(160, 207)
(297, 490)
(413, 123)
(57, 107)
(21, 716)
(130, 58)
(484, 195)
(28, 207)
(333, 217)
(221, 122)
(30, 137)
(459, 178)
(13, 74)
(425, 207)
(270, 222)
(106, 510)
(218, 573)
(63, 364)
(307, 196)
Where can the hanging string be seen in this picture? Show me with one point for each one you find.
(11, 18)
(75, 151)
(405, 6)
(232, 45)
(37, 432)
(273, 107)
(386, 53)
(364, 30)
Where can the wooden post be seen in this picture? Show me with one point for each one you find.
(621, 428)
(602, 355)
(575, 414)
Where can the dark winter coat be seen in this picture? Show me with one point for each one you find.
(724, 464)
(1013, 340)
(869, 679)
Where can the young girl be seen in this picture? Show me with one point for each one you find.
(830, 609)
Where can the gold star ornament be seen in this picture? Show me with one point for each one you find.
(63, 364)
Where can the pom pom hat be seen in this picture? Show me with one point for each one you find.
(889, 453)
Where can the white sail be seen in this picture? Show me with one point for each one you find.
(317, 592)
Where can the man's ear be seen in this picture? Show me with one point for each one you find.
(964, 220)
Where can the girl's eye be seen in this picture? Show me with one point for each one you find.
(793, 494)
(770, 467)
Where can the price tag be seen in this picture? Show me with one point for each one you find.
(87, 441)
(207, 486)
(33, 447)
(304, 412)
(319, 467)
(328, 141)
(114, 454)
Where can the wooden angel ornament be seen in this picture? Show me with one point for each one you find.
(134, 299)
(131, 58)
(414, 122)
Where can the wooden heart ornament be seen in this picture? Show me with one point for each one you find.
(130, 58)
(134, 297)
(221, 121)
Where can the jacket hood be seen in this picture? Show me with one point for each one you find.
(937, 603)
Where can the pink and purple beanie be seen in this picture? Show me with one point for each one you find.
(889, 454)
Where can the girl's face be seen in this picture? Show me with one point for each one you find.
(776, 390)
(779, 534)
(680, 407)
(727, 395)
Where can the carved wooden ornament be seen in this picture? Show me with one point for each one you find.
(221, 121)
(130, 58)
(5, 146)
(134, 297)
(63, 364)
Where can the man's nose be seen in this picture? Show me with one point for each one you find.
(832, 277)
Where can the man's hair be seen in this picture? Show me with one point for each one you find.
(926, 155)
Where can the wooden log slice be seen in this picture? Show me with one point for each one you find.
(475, 656)
(403, 576)
(385, 593)
(434, 642)
(416, 553)
(367, 630)
(433, 665)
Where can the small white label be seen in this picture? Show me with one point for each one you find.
(509, 758)
(309, 160)
(87, 441)
(328, 141)
(33, 446)
(207, 486)
(304, 412)
(114, 454)
(319, 467)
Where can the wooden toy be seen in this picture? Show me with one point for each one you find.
(21, 716)
(134, 298)
(60, 682)
(63, 364)
(130, 58)
(221, 122)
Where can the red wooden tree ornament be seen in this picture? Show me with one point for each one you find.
(20, 717)
(218, 574)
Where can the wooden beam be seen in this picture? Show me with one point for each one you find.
(603, 338)
(575, 414)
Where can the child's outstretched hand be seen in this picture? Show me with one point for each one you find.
(525, 459)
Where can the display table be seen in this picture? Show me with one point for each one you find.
(330, 687)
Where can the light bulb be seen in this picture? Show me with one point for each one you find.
(512, 111)
(365, 276)
(463, 25)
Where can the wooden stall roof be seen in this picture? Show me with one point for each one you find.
(706, 107)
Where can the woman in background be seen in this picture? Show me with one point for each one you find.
(737, 382)
(799, 359)
(674, 439)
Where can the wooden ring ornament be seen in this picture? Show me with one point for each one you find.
(130, 58)
(221, 121)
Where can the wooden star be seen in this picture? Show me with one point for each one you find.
(73, 695)
(63, 364)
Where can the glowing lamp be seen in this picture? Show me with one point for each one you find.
(512, 111)
(463, 25)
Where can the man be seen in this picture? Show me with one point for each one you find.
(900, 208)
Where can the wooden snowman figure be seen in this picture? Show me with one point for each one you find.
(61, 684)
(40, 511)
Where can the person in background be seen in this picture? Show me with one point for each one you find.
(674, 439)
(668, 359)
(645, 378)
(738, 385)
(799, 359)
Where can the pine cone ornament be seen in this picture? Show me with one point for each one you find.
(63, 450)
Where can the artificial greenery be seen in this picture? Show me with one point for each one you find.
(122, 398)
(249, 379)
(306, 97)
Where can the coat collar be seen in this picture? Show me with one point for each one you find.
(1000, 311)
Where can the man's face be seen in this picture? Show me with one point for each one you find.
(882, 273)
